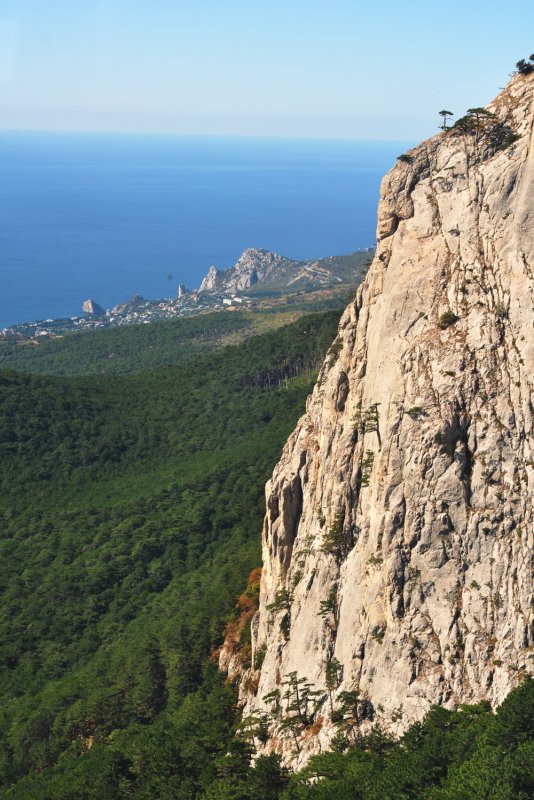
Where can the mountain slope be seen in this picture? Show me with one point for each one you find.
(129, 510)
(260, 270)
(397, 544)
(136, 348)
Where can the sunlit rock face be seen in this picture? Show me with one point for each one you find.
(252, 267)
(397, 544)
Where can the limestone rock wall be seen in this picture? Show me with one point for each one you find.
(398, 537)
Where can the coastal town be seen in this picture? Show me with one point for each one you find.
(136, 311)
(259, 279)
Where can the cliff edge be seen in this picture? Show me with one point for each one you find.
(397, 544)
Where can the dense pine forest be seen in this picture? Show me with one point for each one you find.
(467, 754)
(134, 348)
(130, 515)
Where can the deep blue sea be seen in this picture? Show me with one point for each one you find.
(108, 216)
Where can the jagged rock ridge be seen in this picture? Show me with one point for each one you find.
(397, 544)
(257, 268)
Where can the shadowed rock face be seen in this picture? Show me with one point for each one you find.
(405, 494)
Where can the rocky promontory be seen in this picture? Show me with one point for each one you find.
(397, 544)
(264, 270)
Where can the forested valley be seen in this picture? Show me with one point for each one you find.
(130, 514)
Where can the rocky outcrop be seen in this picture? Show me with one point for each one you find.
(397, 544)
(261, 269)
(135, 303)
(93, 308)
(253, 266)
(211, 281)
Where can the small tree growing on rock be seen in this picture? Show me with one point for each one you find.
(302, 703)
(525, 67)
(346, 716)
(444, 113)
(339, 539)
(333, 670)
(282, 602)
(328, 609)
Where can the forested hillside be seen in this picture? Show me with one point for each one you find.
(467, 754)
(130, 515)
(134, 348)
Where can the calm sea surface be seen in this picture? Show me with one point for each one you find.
(109, 216)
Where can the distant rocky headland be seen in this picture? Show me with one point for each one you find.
(261, 269)
(257, 278)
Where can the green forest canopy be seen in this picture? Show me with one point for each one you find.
(130, 510)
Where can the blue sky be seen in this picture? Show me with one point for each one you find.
(340, 69)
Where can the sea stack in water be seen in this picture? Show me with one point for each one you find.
(397, 544)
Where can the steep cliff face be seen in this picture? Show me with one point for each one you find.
(397, 545)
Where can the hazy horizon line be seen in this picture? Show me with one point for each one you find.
(177, 134)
